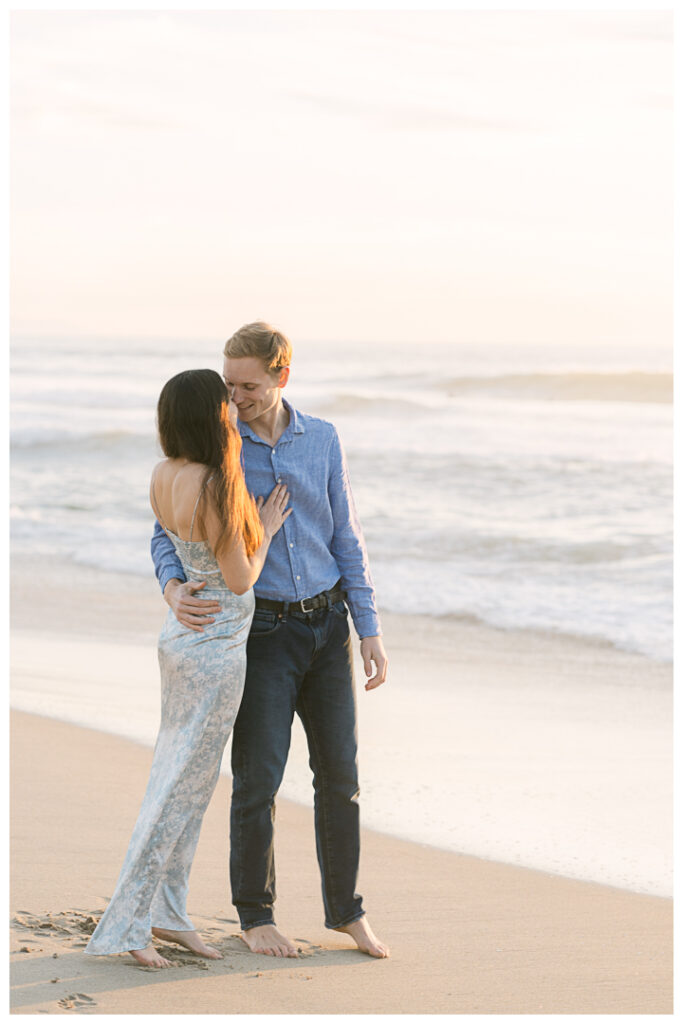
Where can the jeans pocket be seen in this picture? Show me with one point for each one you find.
(264, 623)
(339, 608)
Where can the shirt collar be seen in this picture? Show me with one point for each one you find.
(295, 425)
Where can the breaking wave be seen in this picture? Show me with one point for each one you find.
(636, 386)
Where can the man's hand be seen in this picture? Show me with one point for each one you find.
(372, 650)
(190, 611)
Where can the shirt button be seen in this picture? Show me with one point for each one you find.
(291, 545)
(298, 577)
(279, 479)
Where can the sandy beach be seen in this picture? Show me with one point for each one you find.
(467, 934)
(461, 220)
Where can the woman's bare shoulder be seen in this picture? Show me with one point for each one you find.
(160, 468)
(171, 470)
(179, 481)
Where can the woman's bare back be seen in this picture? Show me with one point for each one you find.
(175, 490)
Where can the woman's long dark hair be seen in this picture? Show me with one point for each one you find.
(194, 423)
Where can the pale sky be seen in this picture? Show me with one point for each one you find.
(490, 176)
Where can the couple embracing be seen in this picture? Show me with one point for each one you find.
(257, 630)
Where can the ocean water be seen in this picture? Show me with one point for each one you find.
(527, 489)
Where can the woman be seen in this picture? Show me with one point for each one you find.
(199, 495)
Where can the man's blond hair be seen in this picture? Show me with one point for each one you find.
(263, 342)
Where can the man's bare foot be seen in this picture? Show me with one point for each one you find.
(190, 940)
(364, 937)
(267, 939)
(149, 957)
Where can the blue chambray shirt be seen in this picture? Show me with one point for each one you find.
(322, 540)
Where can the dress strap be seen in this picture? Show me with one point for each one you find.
(155, 503)
(196, 504)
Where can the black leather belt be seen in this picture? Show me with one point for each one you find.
(307, 604)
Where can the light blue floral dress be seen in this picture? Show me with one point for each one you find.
(202, 678)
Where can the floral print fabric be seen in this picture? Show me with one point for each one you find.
(202, 678)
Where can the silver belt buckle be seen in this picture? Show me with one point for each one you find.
(302, 602)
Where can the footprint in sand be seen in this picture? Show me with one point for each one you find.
(77, 1001)
(306, 948)
(73, 927)
(70, 923)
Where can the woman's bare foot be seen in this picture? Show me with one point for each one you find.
(149, 957)
(364, 937)
(190, 940)
(267, 939)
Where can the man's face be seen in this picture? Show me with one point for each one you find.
(253, 390)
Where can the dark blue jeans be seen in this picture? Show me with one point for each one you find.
(303, 663)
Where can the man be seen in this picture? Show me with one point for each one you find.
(299, 650)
